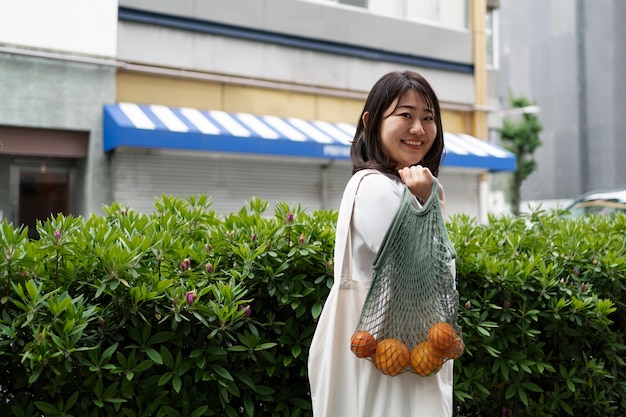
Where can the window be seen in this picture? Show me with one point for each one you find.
(491, 32)
(449, 13)
(359, 3)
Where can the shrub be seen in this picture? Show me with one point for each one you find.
(542, 312)
(180, 313)
(186, 313)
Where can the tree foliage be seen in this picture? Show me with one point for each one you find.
(520, 135)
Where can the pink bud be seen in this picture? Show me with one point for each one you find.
(289, 219)
(248, 309)
(209, 267)
(253, 237)
(468, 305)
(302, 239)
(57, 234)
(185, 264)
(190, 296)
(582, 288)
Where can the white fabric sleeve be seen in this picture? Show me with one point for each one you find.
(376, 203)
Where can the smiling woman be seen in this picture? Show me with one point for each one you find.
(396, 154)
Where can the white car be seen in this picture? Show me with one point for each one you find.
(599, 202)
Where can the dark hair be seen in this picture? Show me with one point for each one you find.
(367, 150)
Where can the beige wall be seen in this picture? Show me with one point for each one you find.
(180, 92)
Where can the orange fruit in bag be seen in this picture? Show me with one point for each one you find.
(425, 360)
(363, 344)
(443, 338)
(391, 356)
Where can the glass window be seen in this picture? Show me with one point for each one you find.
(449, 13)
(424, 9)
(359, 3)
(491, 32)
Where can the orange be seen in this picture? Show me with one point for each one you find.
(363, 344)
(391, 356)
(425, 360)
(445, 339)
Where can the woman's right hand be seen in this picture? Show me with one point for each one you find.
(419, 180)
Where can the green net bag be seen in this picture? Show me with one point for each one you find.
(409, 319)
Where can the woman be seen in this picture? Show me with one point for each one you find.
(398, 143)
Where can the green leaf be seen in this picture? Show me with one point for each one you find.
(296, 350)
(221, 371)
(198, 412)
(316, 310)
(510, 392)
(154, 356)
(47, 407)
(177, 383)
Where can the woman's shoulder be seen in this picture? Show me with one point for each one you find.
(372, 177)
(376, 185)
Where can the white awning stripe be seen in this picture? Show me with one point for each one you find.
(197, 119)
(310, 130)
(137, 117)
(258, 126)
(286, 129)
(169, 119)
(229, 123)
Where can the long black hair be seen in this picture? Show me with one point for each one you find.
(367, 150)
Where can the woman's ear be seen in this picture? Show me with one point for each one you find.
(365, 117)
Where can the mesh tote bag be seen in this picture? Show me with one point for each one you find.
(409, 319)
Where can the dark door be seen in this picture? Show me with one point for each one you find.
(43, 190)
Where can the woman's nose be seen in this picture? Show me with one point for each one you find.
(416, 128)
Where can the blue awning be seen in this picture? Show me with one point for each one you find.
(156, 126)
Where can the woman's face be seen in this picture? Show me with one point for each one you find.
(408, 130)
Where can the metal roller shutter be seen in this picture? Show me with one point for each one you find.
(461, 192)
(139, 178)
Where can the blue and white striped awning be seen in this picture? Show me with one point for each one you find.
(156, 126)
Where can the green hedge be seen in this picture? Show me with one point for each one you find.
(543, 316)
(180, 313)
(187, 313)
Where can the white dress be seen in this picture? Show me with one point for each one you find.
(343, 385)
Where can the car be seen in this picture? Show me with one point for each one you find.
(599, 202)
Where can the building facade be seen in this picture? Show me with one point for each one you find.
(133, 99)
(570, 59)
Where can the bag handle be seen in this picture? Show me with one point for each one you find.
(343, 250)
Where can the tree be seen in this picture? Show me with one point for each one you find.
(521, 136)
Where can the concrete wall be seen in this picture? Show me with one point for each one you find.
(54, 75)
(569, 58)
(85, 27)
(173, 48)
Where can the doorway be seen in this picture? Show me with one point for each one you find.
(40, 189)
